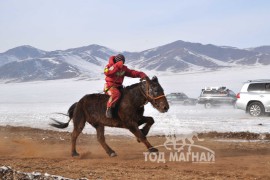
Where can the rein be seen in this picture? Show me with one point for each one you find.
(148, 96)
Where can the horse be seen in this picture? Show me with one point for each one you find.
(130, 109)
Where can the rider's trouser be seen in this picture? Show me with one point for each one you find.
(114, 94)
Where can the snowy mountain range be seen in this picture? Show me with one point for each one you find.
(26, 63)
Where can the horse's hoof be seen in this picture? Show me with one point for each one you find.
(153, 150)
(113, 154)
(75, 154)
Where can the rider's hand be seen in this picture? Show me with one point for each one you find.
(142, 75)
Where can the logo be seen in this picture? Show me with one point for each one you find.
(120, 73)
(181, 148)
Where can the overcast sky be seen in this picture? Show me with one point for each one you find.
(129, 25)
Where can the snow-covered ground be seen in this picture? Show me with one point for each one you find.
(34, 103)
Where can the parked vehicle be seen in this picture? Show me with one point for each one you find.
(180, 98)
(254, 97)
(215, 96)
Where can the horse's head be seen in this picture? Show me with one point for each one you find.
(155, 94)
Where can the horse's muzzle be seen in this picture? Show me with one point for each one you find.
(165, 108)
(162, 107)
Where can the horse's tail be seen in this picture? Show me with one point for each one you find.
(71, 110)
(61, 125)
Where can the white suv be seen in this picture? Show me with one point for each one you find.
(254, 97)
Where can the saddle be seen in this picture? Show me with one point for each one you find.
(117, 104)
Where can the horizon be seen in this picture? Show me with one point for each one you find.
(128, 51)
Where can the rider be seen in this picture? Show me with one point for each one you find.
(115, 72)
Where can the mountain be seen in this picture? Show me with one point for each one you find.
(25, 52)
(26, 63)
(37, 69)
(182, 56)
(20, 53)
(261, 49)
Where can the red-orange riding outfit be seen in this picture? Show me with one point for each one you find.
(115, 73)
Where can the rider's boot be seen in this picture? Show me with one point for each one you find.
(109, 112)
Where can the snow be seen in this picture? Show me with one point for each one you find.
(102, 61)
(8, 172)
(85, 67)
(150, 50)
(192, 67)
(4, 168)
(105, 51)
(52, 60)
(7, 59)
(216, 61)
(34, 103)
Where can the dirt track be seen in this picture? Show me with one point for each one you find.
(28, 150)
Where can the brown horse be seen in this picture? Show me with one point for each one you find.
(91, 108)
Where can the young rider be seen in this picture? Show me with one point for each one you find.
(115, 72)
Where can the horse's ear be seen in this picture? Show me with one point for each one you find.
(155, 79)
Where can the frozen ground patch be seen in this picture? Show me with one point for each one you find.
(34, 103)
(182, 119)
(185, 119)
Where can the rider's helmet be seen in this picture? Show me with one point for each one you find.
(119, 57)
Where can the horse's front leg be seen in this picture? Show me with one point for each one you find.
(101, 140)
(141, 137)
(149, 122)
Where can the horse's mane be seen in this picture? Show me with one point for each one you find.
(132, 86)
(127, 88)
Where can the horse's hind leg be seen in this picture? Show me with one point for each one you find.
(101, 140)
(78, 127)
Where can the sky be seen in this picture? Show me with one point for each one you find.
(138, 25)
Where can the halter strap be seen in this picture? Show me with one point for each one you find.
(148, 96)
(151, 97)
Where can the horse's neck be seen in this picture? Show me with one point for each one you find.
(136, 95)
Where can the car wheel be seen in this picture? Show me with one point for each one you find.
(256, 109)
(207, 105)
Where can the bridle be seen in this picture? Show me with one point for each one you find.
(146, 94)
